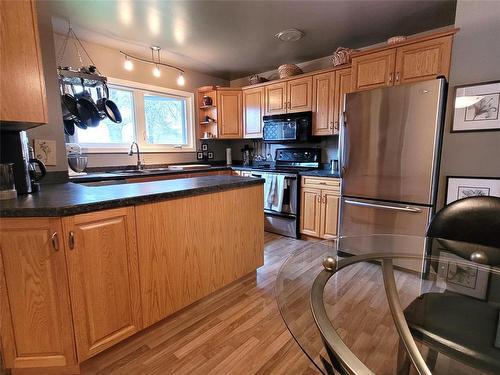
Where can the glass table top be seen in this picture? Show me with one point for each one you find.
(403, 303)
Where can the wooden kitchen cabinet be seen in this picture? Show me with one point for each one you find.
(21, 71)
(35, 314)
(310, 208)
(299, 95)
(323, 103)
(373, 70)
(319, 205)
(342, 87)
(425, 60)
(101, 254)
(253, 110)
(229, 113)
(275, 98)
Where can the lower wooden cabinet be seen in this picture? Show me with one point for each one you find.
(319, 205)
(36, 326)
(103, 278)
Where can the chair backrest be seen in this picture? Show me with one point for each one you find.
(475, 220)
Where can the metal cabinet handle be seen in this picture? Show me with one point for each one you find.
(319, 198)
(397, 76)
(322, 183)
(55, 241)
(71, 240)
(394, 207)
(324, 198)
(336, 126)
(390, 78)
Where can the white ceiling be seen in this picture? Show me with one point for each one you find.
(231, 39)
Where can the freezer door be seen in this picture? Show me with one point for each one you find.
(360, 217)
(391, 141)
(363, 217)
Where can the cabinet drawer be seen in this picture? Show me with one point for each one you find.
(325, 183)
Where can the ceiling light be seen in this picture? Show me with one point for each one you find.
(180, 80)
(156, 71)
(290, 35)
(128, 65)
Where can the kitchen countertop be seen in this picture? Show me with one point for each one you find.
(71, 198)
(108, 176)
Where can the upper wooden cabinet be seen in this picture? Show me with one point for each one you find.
(323, 103)
(229, 113)
(103, 277)
(22, 83)
(36, 327)
(424, 60)
(373, 70)
(342, 87)
(299, 95)
(253, 110)
(275, 98)
(413, 60)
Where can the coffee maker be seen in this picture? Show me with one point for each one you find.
(16, 149)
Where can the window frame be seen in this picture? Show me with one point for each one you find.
(138, 91)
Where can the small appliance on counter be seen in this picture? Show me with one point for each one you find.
(246, 153)
(7, 183)
(15, 149)
(77, 162)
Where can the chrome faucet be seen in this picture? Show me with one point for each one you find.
(140, 166)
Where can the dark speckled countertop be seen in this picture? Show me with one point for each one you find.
(70, 198)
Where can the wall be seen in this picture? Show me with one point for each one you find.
(110, 63)
(475, 58)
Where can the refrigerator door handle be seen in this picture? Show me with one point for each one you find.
(343, 144)
(384, 206)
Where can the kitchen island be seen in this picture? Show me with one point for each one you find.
(82, 268)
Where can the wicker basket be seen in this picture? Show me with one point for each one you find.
(257, 79)
(288, 70)
(396, 39)
(342, 56)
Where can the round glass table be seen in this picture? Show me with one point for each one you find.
(401, 305)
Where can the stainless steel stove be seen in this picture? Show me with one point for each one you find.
(282, 185)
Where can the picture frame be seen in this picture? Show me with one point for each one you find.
(204, 147)
(199, 155)
(210, 154)
(477, 107)
(459, 187)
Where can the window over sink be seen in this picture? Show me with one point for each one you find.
(157, 118)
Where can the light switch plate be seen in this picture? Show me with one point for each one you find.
(45, 151)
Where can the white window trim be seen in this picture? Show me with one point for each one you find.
(140, 123)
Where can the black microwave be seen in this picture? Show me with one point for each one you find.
(291, 127)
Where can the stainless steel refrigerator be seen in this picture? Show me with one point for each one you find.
(390, 151)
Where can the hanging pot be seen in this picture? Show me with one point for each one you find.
(68, 105)
(108, 107)
(69, 127)
(87, 111)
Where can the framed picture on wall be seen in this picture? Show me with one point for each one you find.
(477, 107)
(463, 187)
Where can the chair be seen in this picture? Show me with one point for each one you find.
(432, 317)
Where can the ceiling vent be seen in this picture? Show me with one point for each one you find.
(290, 35)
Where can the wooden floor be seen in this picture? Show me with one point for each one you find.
(237, 330)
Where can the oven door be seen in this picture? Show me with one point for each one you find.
(279, 131)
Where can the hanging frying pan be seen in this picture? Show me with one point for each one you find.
(87, 110)
(68, 105)
(69, 127)
(108, 107)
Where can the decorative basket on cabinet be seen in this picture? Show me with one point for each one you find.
(342, 56)
(289, 70)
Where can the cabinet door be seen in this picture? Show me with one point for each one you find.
(22, 70)
(323, 103)
(253, 110)
(275, 99)
(423, 61)
(329, 214)
(310, 211)
(35, 326)
(229, 113)
(299, 94)
(373, 70)
(103, 278)
(342, 87)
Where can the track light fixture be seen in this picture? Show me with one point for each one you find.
(156, 61)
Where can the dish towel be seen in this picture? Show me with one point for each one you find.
(268, 190)
(279, 188)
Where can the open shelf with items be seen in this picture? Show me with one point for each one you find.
(207, 114)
